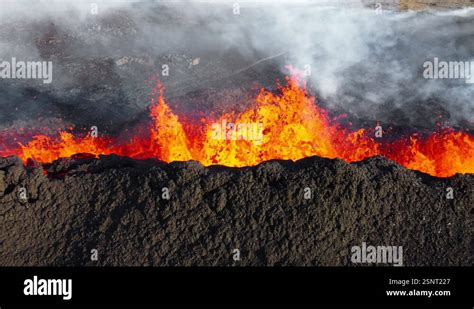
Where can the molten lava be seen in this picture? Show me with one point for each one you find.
(285, 125)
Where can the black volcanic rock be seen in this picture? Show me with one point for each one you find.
(116, 205)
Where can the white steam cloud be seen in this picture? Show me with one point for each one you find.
(365, 61)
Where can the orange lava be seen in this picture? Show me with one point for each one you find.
(284, 125)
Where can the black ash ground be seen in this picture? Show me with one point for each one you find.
(115, 205)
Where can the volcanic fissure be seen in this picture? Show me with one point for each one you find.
(292, 127)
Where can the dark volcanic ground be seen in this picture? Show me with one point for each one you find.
(115, 205)
(103, 63)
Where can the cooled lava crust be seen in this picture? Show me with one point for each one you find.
(116, 205)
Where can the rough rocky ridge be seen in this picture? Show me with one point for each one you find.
(118, 206)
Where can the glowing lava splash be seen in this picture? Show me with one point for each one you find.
(284, 125)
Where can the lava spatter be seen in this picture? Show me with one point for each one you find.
(292, 126)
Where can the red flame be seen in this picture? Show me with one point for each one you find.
(288, 125)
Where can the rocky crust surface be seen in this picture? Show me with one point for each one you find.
(119, 207)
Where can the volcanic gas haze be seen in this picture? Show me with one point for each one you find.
(363, 65)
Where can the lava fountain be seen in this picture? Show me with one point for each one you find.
(292, 126)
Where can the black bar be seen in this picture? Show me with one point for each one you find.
(235, 285)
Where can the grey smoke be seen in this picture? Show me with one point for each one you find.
(363, 63)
